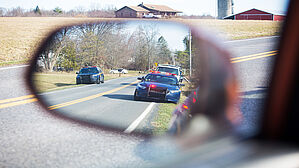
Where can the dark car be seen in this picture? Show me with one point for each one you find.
(159, 86)
(90, 75)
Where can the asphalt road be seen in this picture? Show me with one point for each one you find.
(111, 103)
(32, 137)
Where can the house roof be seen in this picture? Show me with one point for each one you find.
(138, 9)
(161, 8)
(135, 8)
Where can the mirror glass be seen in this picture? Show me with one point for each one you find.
(124, 75)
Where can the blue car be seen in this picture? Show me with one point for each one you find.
(157, 86)
(90, 75)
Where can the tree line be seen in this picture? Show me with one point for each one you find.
(107, 45)
(78, 12)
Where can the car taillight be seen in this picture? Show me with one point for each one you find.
(153, 86)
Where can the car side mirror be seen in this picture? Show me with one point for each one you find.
(91, 105)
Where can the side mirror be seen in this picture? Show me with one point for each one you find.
(87, 109)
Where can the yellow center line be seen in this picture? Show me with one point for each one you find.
(88, 98)
(253, 56)
(16, 99)
(247, 56)
(18, 103)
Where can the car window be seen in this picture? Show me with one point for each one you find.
(89, 70)
(161, 79)
(169, 70)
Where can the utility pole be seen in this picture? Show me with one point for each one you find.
(190, 52)
(173, 58)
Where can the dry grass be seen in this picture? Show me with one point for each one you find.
(20, 36)
(240, 29)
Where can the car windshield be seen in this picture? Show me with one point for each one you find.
(89, 70)
(161, 79)
(169, 70)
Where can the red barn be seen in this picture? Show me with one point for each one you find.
(255, 14)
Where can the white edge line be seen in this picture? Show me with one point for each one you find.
(135, 123)
(13, 67)
(250, 39)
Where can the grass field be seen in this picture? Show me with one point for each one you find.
(20, 36)
(51, 81)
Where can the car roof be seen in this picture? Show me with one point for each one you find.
(169, 66)
(88, 67)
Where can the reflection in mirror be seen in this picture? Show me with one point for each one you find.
(89, 73)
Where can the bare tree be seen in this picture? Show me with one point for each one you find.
(52, 53)
(2, 11)
(18, 11)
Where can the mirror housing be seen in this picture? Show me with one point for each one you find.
(141, 78)
(77, 72)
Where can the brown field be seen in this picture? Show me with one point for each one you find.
(20, 36)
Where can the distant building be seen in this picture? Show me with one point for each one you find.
(131, 12)
(145, 10)
(255, 14)
(225, 8)
(162, 10)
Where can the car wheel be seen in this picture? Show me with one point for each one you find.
(135, 96)
(77, 82)
(102, 80)
(98, 81)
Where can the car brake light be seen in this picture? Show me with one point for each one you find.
(194, 100)
(153, 86)
(194, 92)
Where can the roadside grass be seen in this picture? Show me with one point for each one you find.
(164, 114)
(21, 36)
(50, 81)
(161, 121)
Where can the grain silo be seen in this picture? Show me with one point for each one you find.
(225, 8)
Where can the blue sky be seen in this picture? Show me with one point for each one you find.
(189, 7)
